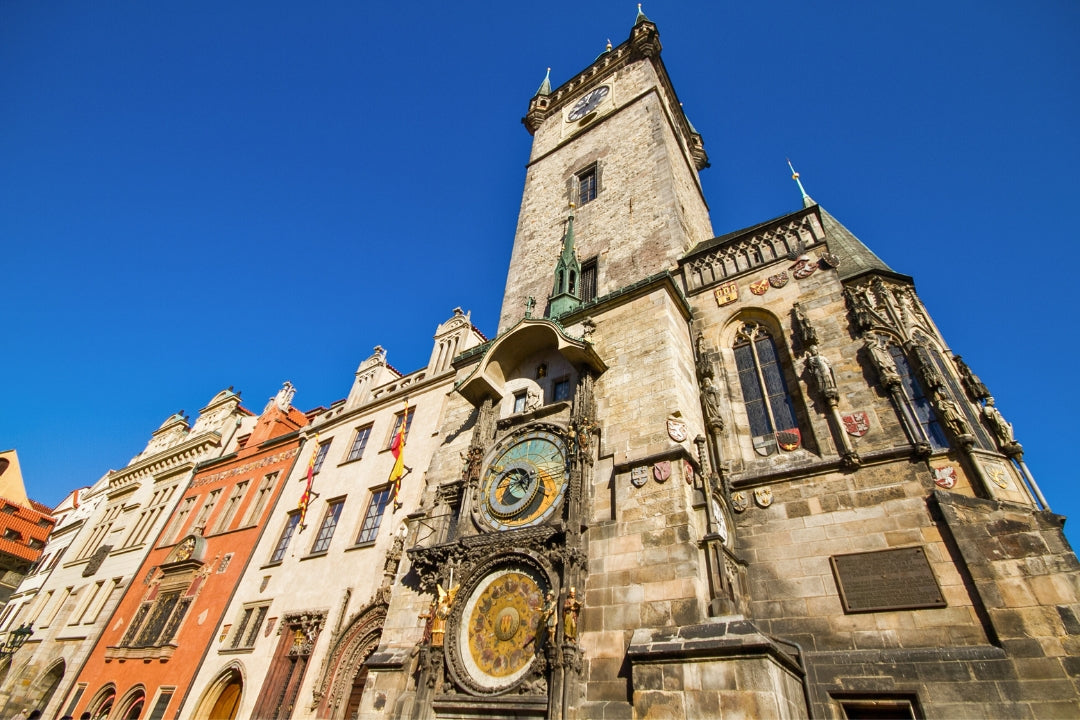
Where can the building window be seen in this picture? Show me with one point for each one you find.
(247, 630)
(587, 184)
(397, 425)
(173, 534)
(286, 535)
(588, 280)
(199, 526)
(519, 401)
(329, 524)
(924, 412)
(765, 394)
(255, 511)
(373, 517)
(359, 443)
(879, 709)
(231, 506)
(161, 705)
(561, 390)
(320, 456)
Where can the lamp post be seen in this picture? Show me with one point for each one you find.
(15, 640)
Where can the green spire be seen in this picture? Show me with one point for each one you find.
(545, 87)
(565, 296)
(640, 16)
(807, 201)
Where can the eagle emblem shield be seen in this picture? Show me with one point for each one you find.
(857, 424)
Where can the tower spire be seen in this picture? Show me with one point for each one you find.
(807, 201)
(641, 17)
(545, 87)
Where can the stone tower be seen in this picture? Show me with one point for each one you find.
(722, 475)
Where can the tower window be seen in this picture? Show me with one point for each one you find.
(924, 412)
(587, 183)
(588, 280)
(765, 394)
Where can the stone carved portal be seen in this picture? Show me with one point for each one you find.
(498, 629)
(345, 672)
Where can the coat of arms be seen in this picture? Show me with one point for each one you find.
(856, 424)
(998, 474)
(803, 268)
(828, 260)
(688, 472)
(779, 281)
(676, 430)
(739, 503)
(639, 476)
(763, 496)
(727, 294)
(945, 477)
(759, 287)
(789, 439)
(661, 471)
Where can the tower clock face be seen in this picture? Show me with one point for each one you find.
(588, 103)
(525, 482)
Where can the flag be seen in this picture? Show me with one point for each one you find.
(397, 447)
(308, 496)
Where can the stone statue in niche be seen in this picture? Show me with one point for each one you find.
(1003, 429)
(863, 320)
(822, 372)
(704, 367)
(711, 396)
(950, 414)
(974, 386)
(882, 359)
(806, 331)
(532, 400)
(927, 368)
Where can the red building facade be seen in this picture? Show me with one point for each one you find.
(144, 662)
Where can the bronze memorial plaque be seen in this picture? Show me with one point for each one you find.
(886, 580)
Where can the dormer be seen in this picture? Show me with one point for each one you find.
(452, 338)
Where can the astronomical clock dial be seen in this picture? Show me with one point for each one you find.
(501, 624)
(525, 482)
(588, 103)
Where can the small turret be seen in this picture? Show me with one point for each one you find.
(566, 294)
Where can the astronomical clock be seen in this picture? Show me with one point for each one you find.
(504, 565)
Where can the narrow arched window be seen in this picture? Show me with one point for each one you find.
(765, 394)
(924, 411)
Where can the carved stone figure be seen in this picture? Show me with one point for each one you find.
(704, 367)
(711, 396)
(927, 368)
(550, 616)
(863, 320)
(571, 610)
(970, 380)
(822, 372)
(442, 612)
(882, 359)
(806, 331)
(532, 400)
(1001, 427)
(950, 414)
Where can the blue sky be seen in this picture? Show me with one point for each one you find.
(196, 195)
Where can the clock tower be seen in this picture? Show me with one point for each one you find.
(613, 141)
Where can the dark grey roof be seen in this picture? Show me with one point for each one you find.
(855, 257)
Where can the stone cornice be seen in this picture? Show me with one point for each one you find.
(187, 452)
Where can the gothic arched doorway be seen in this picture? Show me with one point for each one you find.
(221, 700)
(342, 687)
(49, 682)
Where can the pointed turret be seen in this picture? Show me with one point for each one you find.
(640, 16)
(565, 296)
(545, 87)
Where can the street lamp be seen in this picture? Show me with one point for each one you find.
(15, 640)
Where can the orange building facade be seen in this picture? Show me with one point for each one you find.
(144, 662)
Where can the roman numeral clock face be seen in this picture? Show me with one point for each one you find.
(525, 482)
(588, 103)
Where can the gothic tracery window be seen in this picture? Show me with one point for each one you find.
(920, 405)
(764, 391)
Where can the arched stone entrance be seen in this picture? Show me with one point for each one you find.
(131, 705)
(49, 682)
(221, 700)
(342, 686)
